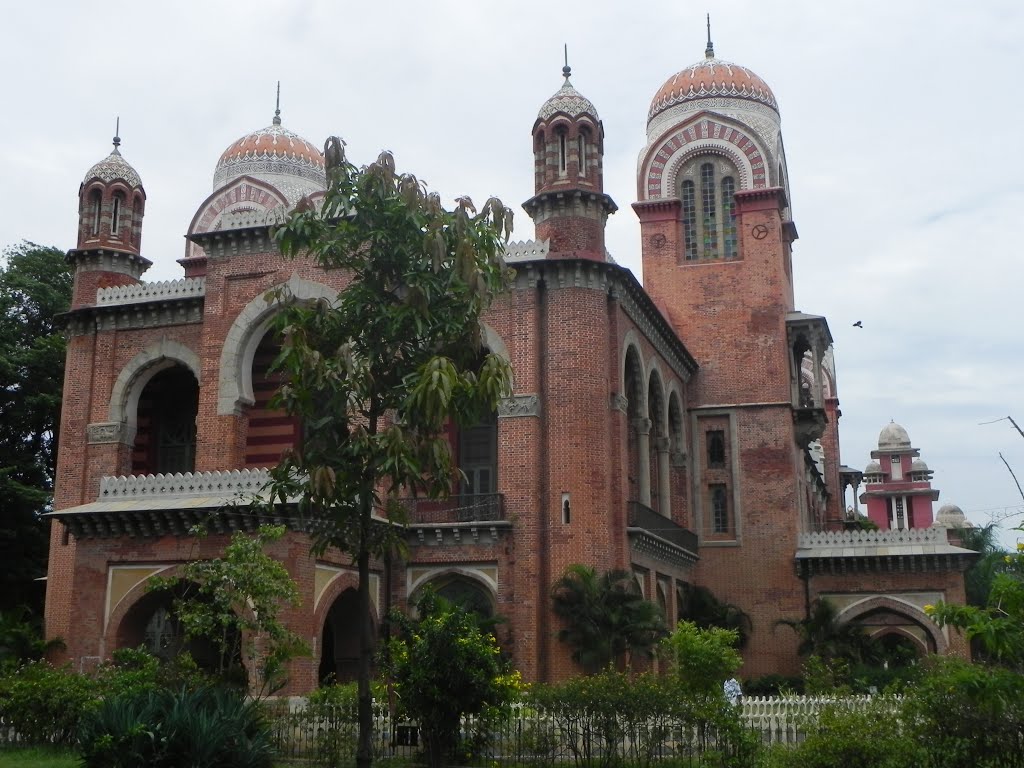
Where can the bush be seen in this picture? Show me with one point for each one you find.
(774, 685)
(45, 704)
(968, 714)
(206, 728)
(872, 737)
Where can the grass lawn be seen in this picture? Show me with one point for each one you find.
(36, 757)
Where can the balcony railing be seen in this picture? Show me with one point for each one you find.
(643, 517)
(463, 508)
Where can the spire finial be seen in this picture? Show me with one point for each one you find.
(277, 105)
(709, 52)
(117, 133)
(566, 70)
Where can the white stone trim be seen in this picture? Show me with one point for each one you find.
(234, 388)
(157, 357)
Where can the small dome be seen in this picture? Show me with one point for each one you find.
(951, 516)
(568, 100)
(709, 79)
(873, 468)
(918, 465)
(275, 155)
(893, 437)
(113, 166)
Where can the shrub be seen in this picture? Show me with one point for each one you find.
(774, 685)
(206, 728)
(872, 737)
(45, 704)
(968, 714)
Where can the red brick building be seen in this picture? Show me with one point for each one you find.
(686, 430)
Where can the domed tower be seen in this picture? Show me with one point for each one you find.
(570, 208)
(258, 179)
(111, 204)
(897, 483)
(715, 218)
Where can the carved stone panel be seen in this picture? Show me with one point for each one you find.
(103, 432)
(519, 405)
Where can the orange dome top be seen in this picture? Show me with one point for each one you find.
(709, 79)
(277, 155)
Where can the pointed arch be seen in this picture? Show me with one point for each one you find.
(128, 387)
(234, 386)
(899, 607)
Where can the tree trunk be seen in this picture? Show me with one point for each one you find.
(364, 752)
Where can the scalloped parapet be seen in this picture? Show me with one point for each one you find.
(166, 290)
(527, 250)
(221, 484)
(842, 539)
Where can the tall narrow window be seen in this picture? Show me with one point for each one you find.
(115, 216)
(719, 509)
(689, 221)
(716, 448)
(96, 204)
(729, 217)
(581, 151)
(707, 194)
(561, 152)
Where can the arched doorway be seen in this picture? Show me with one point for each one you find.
(165, 440)
(339, 649)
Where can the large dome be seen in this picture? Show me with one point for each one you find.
(893, 437)
(275, 155)
(708, 79)
(113, 166)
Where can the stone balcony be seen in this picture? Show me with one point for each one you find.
(915, 549)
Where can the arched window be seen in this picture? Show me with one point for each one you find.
(95, 205)
(165, 442)
(115, 216)
(581, 152)
(707, 193)
(562, 152)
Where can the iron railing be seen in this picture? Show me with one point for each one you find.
(461, 508)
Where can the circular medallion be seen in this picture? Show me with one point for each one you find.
(759, 231)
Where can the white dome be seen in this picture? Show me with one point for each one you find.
(893, 437)
(873, 468)
(951, 516)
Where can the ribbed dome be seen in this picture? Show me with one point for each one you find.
(874, 468)
(275, 155)
(568, 100)
(113, 166)
(708, 79)
(893, 437)
(918, 465)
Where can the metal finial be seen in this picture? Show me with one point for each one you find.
(117, 133)
(709, 52)
(566, 70)
(277, 105)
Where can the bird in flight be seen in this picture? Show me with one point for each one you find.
(858, 324)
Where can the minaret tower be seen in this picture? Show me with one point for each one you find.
(111, 204)
(570, 208)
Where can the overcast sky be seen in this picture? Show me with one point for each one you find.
(902, 122)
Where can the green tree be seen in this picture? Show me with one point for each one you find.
(700, 659)
(979, 576)
(376, 374)
(35, 287)
(998, 626)
(706, 611)
(606, 617)
(235, 603)
(444, 666)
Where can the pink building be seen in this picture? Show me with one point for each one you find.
(898, 490)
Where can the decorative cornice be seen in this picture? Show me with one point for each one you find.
(186, 288)
(519, 405)
(223, 243)
(644, 542)
(469, 534)
(912, 550)
(152, 313)
(107, 260)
